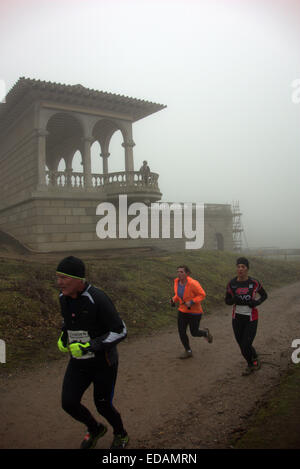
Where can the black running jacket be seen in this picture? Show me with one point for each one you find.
(92, 317)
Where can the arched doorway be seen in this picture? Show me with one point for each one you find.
(219, 242)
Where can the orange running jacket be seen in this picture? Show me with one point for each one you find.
(193, 291)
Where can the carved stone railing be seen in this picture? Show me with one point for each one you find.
(123, 181)
(65, 179)
(111, 183)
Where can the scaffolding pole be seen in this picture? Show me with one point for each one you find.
(237, 228)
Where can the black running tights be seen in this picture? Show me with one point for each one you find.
(192, 320)
(244, 332)
(76, 381)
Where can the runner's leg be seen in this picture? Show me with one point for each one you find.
(104, 381)
(245, 331)
(75, 383)
(238, 325)
(194, 322)
(248, 338)
(182, 323)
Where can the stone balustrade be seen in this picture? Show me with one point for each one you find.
(65, 179)
(110, 183)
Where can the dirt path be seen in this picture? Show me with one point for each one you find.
(165, 402)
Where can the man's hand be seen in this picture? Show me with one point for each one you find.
(60, 344)
(77, 349)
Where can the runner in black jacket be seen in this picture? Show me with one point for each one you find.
(241, 293)
(91, 330)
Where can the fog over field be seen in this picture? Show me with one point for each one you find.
(227, 70)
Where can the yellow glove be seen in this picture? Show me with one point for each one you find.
(61, 345)
(77, 349)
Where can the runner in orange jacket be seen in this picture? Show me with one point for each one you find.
(189, 294)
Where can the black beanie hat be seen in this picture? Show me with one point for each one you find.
(72, 267)
(243, 260)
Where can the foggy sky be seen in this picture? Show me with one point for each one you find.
(224, 68)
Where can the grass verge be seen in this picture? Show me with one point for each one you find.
(276, 425)
(140, 284)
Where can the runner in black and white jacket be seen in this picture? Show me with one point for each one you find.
(241, 292)
(91, 331)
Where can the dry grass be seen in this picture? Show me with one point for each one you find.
(140, 284)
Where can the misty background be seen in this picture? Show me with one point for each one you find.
(224, 68)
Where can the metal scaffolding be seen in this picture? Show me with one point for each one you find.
(237, 227)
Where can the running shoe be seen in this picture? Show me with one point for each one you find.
(208, 336)
(186, 354)
(120, 441)
(91, 438)
(256, 364)
(248, 371)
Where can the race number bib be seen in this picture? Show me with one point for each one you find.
(82, 337)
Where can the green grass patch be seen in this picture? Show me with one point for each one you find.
(140, 284)
(276, 425)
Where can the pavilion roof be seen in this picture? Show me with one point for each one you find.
(27, 90)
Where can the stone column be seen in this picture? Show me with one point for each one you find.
(86, 159)
(128, 145)
(105, 156)
(41, 135)
(69, 170)
(129, 165)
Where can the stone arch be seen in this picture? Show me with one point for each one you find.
(64, 137)
(96, 160)
(117, 158)
(103, 131)
(61, 164)
(76, 162)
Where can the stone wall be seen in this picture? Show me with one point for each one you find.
(48, 224)
(18, 162)
(218, 220)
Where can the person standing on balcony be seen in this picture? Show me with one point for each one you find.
(91, 330)
(145, 172)
(189, 294)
